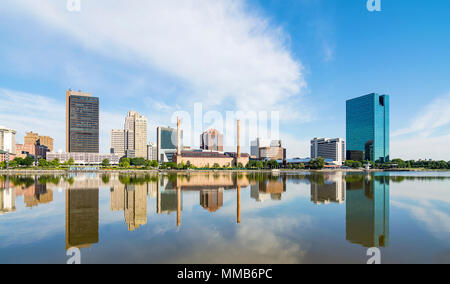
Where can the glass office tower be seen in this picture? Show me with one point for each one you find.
(368, 128)
(167, 143)
(82, 123)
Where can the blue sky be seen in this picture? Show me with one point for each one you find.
(303, 58)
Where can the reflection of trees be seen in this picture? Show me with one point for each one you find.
(106, 179)
(137, 179)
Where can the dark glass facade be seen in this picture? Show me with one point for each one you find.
(368, 127)
(83, 124)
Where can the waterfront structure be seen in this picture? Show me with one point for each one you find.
(367, 211)
(204, 159)
(82, 122)
(84, 158)
(327, 148)
(256, 145)
(152, 152)
(34, 138)
(211, 140)
(118, 142)
(368, 128)
(167, 143)
(136, 134)
(263, 150)
(7, 140)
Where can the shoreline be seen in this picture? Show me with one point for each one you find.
(154, 171)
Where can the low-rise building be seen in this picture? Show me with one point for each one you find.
(84, 158)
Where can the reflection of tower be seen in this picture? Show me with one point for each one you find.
(135, 206)
(82, 217)
(238, 204)
(368, 211)
(211, 199)
(179, 206)
(7, 199)
(332, 190)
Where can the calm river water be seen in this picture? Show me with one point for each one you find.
(226, 218)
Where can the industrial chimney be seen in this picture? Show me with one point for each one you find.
(178, 137)
(238, 139)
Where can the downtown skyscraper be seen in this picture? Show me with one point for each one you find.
(368, 128)
(82, 123)
(136, 134)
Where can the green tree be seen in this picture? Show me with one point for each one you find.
(55, 163)
(216, 166)
(138, 162)
(317, 164)
(105, 163)
(71, 162)
(259, 165)
(2, 165)
(43, 163)
(240, 166)
(28, 161)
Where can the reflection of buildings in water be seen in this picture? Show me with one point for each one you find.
(135, 206)
(7, 200)
(332, 190)
(167, 201)
(264, 190)
(368, 211)
(35, 194)
(256, 194)
(82, 217)
(211, 199)
(152, 189)
(132, 200)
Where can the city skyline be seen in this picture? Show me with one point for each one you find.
(315, 60)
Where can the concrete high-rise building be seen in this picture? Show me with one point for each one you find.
(368, 128)
(327, 148)
(82, 123)
(136, 133)
(46, 141)
(167, 141)
(32, 138)
(7, 140)
(152, 152)
(118, 142)
(212, 140)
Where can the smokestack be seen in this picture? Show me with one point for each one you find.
(179, 136)
(238, 138)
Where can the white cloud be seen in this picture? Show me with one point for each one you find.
(222, 51)
(434, 116)
(30, 112)
(427, 137)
